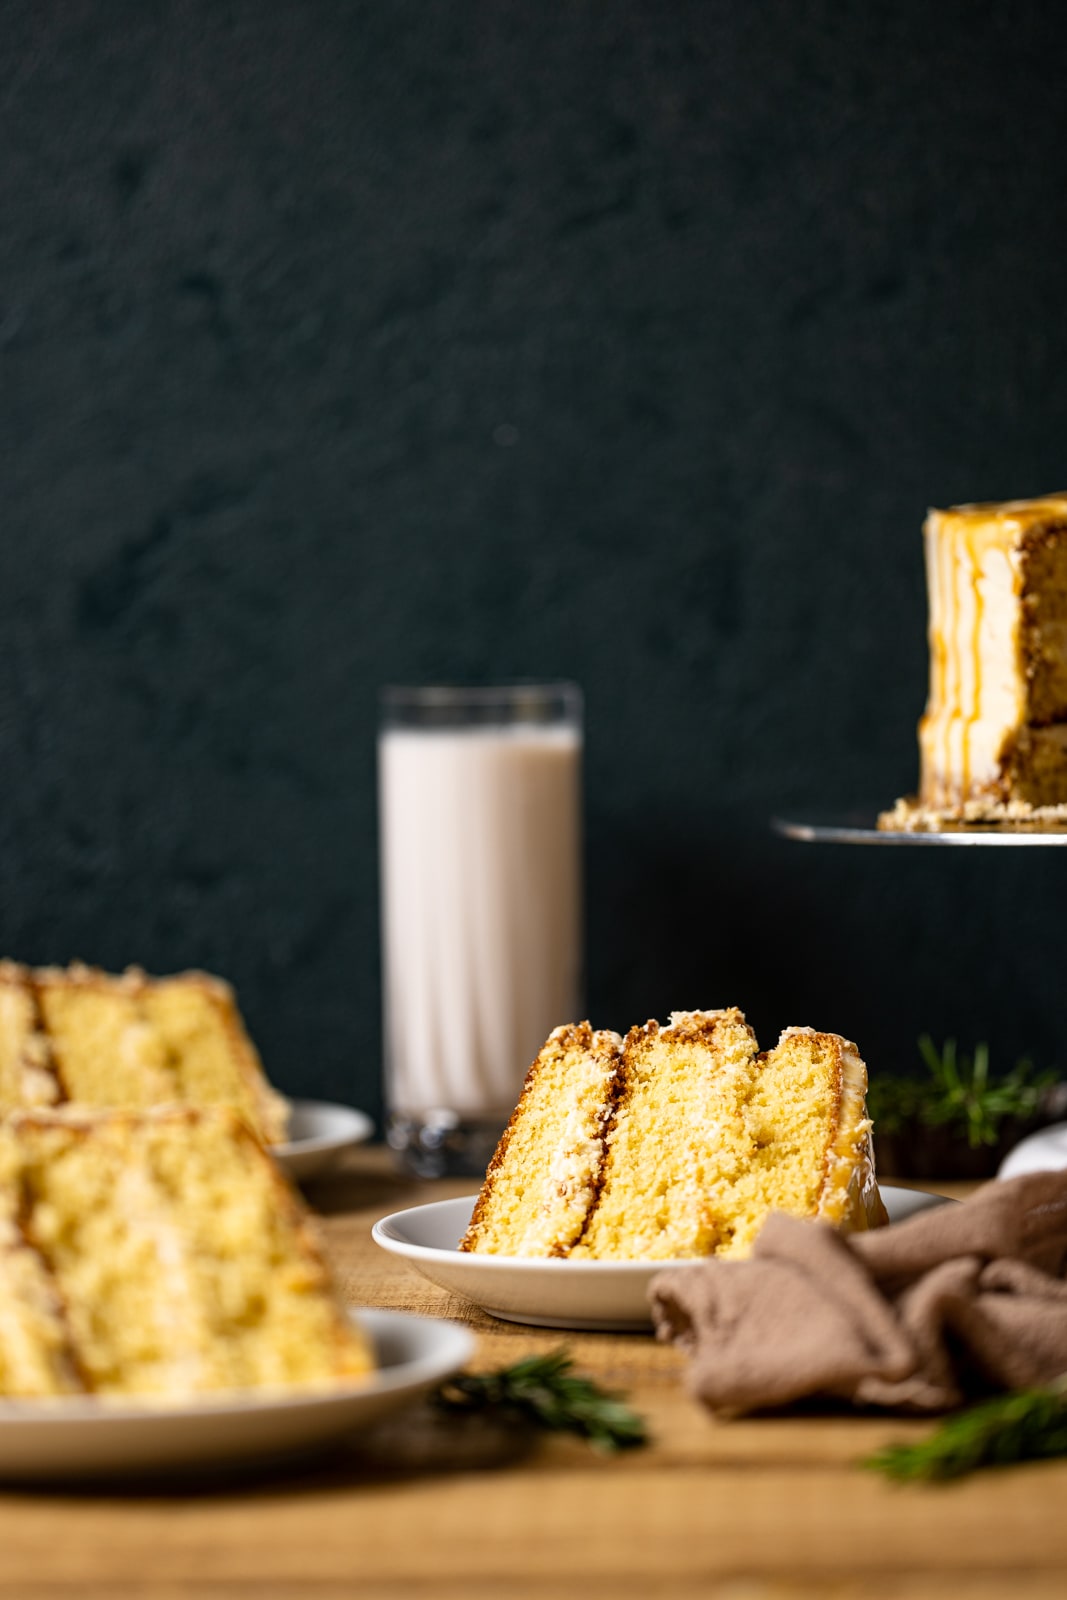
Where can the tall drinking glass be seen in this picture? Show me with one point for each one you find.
(480, 833)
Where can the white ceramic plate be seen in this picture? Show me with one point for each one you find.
(600, 1295)
(318, 1133)
(85, 1437)
(1044, 1151)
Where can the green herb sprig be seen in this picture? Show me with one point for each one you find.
(1029, 1425)
(545, 1392)
(959, 1093)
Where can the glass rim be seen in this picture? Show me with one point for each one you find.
(450, 695)
(427, 708)
(456, 693)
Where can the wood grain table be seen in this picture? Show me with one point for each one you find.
(424, 1507)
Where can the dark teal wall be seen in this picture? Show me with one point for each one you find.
(349, 343)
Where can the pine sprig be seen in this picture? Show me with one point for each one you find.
(544, 1391)
(1029, 1425)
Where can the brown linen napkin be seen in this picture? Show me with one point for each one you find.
(954, 1302)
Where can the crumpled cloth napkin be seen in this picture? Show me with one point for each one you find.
(955, 1302)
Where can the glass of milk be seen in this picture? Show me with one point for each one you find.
(479, 796)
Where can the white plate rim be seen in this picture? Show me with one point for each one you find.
(456, 1346)
(360, 1128)
(304, 1159)
(384, 1234)
(544, 1291)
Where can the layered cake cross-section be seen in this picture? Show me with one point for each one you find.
(159, 1254)
(80, 1036)
(678, 1142)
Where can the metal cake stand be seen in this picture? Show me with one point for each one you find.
(860, 827)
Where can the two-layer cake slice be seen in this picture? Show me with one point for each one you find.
(159, 1254)
(698, 1136)
(82, 1036)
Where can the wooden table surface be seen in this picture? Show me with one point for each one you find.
(743, 1510)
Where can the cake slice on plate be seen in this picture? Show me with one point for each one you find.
(158, 1254)
(690, 1137)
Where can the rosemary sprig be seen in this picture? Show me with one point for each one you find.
(544, 1391)
(959, 1092)
(1029, 1425)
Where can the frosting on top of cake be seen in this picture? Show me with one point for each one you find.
(990, 521)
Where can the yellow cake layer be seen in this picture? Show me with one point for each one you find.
(810, 1151)
(546, 1170)
(678, 1139)
(81, 1036)
(172, 1256)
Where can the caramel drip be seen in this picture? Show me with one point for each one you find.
(956, 699)
(937, 639)
(952, 679)
(976, 653)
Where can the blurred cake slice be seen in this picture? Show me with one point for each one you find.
(158, 1254)
(993, 738)
(546, 1172)
(688, 1141)
(82, 1036)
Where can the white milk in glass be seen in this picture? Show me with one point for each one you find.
(481, 915)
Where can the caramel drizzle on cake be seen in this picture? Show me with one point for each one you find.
(993, 737)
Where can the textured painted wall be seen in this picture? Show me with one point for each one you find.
(344, 343)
